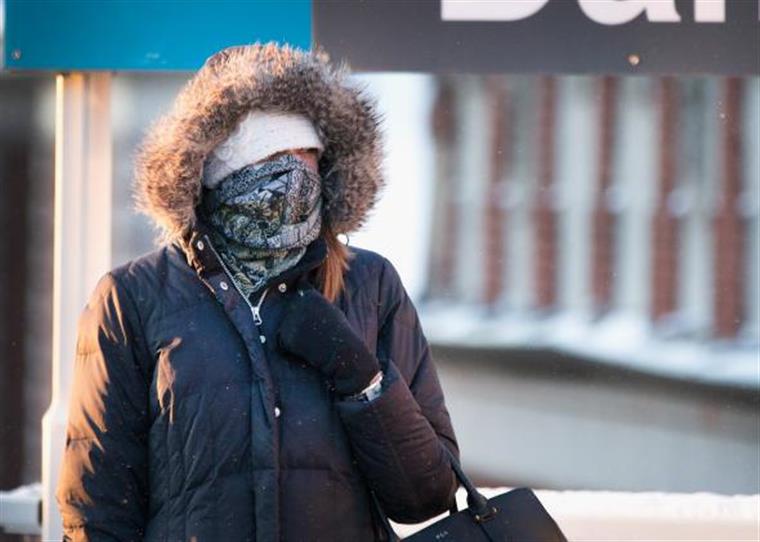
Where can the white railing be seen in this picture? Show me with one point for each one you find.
(21, 510)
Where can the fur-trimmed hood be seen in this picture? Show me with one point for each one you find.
(169, 161)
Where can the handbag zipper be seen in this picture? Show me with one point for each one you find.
(255, 309)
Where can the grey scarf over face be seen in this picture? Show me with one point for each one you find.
(262, 218)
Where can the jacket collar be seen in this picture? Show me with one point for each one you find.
(200, 255)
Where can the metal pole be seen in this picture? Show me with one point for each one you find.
(82, 247)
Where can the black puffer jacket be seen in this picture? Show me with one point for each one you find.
(186, 425)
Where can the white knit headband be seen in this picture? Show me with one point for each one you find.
(258, 135)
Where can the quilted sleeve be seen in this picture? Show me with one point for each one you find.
(397, 437)
(102, 486)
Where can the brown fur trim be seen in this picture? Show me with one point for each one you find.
(169, 161)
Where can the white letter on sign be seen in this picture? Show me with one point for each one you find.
(710, 11)
(489, 10)
(613, 12)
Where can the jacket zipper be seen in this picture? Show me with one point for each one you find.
(255, 312)
(255, 309)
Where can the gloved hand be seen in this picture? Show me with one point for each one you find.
(314, 329)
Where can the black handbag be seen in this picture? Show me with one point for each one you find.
(514, 516)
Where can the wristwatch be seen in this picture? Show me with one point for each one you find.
(371, 392)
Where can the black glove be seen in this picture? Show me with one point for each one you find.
(317, 331)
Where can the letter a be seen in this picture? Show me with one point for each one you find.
(613, 12)
(489, 10)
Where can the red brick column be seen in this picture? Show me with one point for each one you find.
(665, 224)
(443, 249)
(727, 226)
(603, 220)
(495, 216)
(544, 205)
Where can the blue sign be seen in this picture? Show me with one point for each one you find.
(143, 35)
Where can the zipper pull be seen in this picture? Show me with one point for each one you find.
(256, 309)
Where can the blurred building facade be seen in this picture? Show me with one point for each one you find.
(592, 290)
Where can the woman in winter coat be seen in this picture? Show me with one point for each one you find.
(254, 378)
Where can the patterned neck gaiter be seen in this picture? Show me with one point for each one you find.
(262, 218)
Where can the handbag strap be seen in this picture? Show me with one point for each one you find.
(476, 501)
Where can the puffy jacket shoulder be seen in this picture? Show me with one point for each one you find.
(375, 278)
(374, 275)
(365, 268)
(159, 282)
